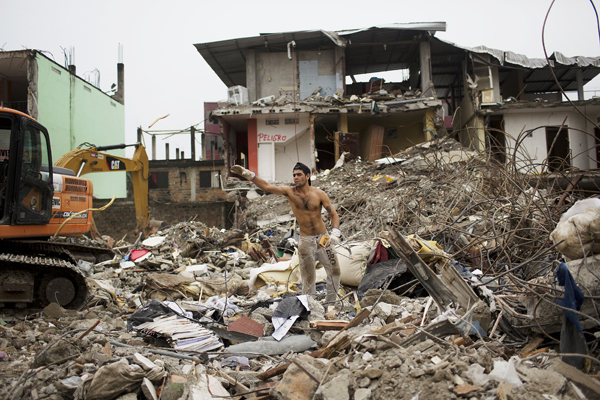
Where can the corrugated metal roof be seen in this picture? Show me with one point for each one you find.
(537, 78)
(415, 26)
(509, 57)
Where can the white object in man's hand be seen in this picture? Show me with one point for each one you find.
(239, 170)
(336, 236)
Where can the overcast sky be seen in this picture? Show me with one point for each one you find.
(164, 73)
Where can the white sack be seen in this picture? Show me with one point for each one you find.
(578, 227)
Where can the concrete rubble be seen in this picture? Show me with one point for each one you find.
(452, 288)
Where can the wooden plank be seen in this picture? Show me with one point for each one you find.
(589, 386)
(466, 296)
(463, 341)
(360, 317)
(283, 367)
(376, 142)
(531, 346)
(542, 350)
(333, 325)
(436, 288)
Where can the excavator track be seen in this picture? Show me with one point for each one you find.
(38, 281)
(36, 272)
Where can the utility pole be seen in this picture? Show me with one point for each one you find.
(153, 147)
(193, 139)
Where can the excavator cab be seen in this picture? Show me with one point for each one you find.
(26, 188)
(34, 270)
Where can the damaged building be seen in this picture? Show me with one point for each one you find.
(73, 109)
(288, 98)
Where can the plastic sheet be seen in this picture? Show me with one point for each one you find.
(506, 371)
(477, 375)
(377, 275)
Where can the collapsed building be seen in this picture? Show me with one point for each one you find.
(288, 98)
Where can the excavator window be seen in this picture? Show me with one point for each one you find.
(35, 187)
(5, 129)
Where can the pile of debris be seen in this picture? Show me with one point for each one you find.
(452, 288)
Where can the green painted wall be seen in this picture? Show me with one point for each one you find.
(53, 104)
(75, 112)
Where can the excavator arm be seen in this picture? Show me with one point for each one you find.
(92, 160)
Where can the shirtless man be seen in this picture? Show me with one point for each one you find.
(306, 202)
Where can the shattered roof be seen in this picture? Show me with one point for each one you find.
(227, 57)
(393, 47)
(446, 59)
(509, 57)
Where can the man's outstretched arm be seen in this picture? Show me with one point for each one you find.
(261, 183)
(336, 233)
(335, 218)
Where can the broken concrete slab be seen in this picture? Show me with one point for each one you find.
(53, 310)
(335, 389)
(296, 384)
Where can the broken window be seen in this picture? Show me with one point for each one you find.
(159, 180)
(210, 179)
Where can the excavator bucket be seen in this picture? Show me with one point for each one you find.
(153, 227)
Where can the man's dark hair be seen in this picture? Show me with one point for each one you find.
(303, 168)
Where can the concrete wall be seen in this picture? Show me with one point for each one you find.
(75, 112)
(469, 125)
(319, 69)
(273, 71)
(119, 219)
(267, 73)
(535, 146)
(409, 131)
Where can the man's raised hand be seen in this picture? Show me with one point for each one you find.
(239, 170)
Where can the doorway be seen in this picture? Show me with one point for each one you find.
(559, 149)
(325, 127)
(497, 140)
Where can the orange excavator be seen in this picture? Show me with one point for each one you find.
(37, 200)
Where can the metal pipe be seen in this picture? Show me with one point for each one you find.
(292, 43)
(81, 167)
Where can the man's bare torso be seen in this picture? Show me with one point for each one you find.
(306, 205)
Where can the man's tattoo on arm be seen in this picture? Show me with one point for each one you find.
(328, 208)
